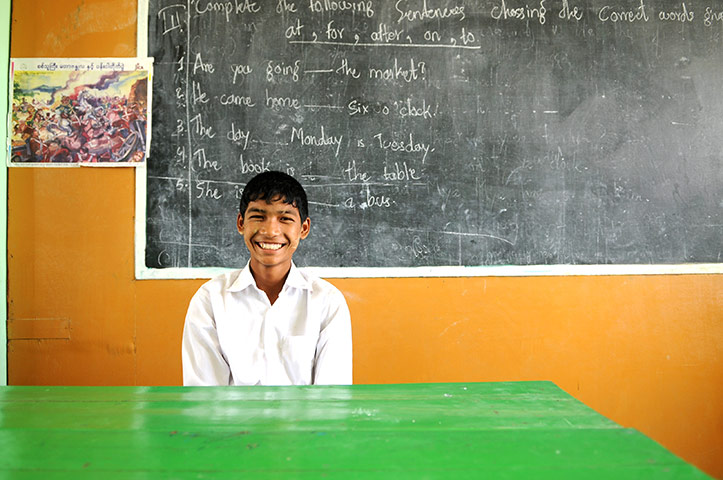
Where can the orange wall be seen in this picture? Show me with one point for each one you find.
(646, 351)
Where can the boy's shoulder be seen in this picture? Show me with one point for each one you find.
(316, 283)
(322, 292)
(222, 282)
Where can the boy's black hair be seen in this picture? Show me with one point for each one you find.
(271, 185)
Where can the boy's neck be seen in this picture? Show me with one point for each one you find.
(270, 280)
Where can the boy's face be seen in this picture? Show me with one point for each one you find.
(272, 232)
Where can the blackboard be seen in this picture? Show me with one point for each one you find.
(441, 133)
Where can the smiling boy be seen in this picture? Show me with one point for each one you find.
(269, 323)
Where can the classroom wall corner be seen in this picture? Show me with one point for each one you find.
(4, 64)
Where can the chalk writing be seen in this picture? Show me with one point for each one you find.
(248, 167)
(400, 173)
(242, 70)
(427, 13)
(205, 190)
(681, 15)
(237, 100)
(409, 146)
(346, 70)
(320, 140)
(281, 103)
(354, 175)
(200, 65)
(452, 132)
(200, 129)
(711, 16)
(360, 107)
(375, 200)
(387, 34)
(284, 6)
(415, 71)
(568, 12)
(171, 17)
(535, 13)
(279, 70)
(408, 108)
(236, 7)
(239, 136)
(615, 15)
(365, 7)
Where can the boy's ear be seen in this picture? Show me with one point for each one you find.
(305, 227)
(240, 224)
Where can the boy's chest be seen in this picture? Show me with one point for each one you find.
(251, 319)
(269, 344)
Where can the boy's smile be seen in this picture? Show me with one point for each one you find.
(272, 231)
(270, 246)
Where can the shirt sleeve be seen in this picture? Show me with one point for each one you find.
(203, 362)
(333, 361)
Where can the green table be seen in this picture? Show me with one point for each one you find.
(525, 430)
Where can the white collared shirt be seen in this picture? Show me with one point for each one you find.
(234, 336)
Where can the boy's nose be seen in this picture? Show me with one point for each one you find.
(270, 227)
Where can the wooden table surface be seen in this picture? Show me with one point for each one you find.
(516, 430)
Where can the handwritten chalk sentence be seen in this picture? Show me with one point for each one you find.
(408, 13)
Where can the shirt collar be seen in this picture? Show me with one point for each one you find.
(296, 279)
(245, 279)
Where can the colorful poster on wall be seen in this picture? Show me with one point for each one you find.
(84, 111)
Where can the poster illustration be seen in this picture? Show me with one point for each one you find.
(79, 111)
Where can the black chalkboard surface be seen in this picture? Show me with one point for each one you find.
(441, 133)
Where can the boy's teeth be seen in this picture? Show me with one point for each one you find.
(270, 246)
